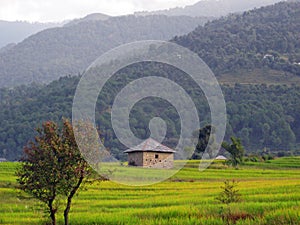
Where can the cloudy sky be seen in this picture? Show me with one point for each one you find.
(59, 10)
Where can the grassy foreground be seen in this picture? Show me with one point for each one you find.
(270, 195)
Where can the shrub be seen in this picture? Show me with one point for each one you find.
(230, 193)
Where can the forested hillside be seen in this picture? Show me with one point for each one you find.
(263, 116)
(260, 40)
(263, 38)
(68, 50)
(215, 8)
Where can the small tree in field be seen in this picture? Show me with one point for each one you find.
(230, 193)
(53, 168)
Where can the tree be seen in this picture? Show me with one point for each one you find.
(229, 194)
(39, 175)
(236, 150)
(53, 168)
(204, 142)
(74, 167)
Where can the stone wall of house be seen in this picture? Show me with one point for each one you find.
(158, 160)
(135, 159)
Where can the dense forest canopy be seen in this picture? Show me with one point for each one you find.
(262, 38)
(263, 116)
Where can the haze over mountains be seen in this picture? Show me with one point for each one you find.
(214, 8)
(14, 32)
(57, 52)
(68, 50)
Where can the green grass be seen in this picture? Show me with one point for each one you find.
(286, 162)
(270, 194)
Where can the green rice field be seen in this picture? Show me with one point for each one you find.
(270, 193)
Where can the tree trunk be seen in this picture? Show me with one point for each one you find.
(71, 195)
(52, 215)
(66, 213)
(52, 212)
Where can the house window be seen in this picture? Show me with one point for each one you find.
(156, 156)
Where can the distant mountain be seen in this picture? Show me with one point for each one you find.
(7, 47)
(90, 17)
(14, 32)
(213, 8)
(68, 50)
(260, 42)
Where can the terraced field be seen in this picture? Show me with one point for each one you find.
(270, 195)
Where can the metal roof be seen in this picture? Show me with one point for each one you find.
(221, 157)
(150, 145)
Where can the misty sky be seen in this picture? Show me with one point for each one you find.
(59, 10)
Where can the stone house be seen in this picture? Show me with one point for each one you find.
(151, 154)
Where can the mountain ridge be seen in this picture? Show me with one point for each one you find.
(68, 50)
(267, 37)
(89, 17)
(213, 8)
(17, 31)
(262, 38)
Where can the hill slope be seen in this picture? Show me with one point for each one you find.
(266, 38)
(214, 8)
(260, 46)
(263, 116)
(69, 50)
